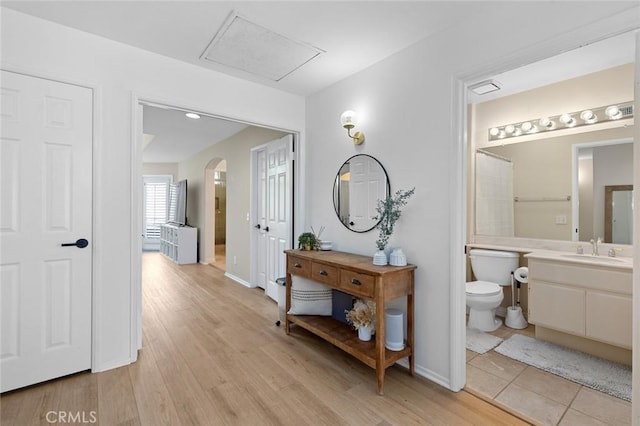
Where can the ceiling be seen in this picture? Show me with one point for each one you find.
(353, 34)
(350, 36)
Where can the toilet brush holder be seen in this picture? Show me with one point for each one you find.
(515, 319)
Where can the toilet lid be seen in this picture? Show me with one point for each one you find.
(482, 288)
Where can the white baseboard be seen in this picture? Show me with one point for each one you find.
(239, 280)
(427, 374)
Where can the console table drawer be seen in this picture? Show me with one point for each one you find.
(298, 266)
(325, 274)
(357, 284)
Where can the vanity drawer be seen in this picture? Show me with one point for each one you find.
(325, 274)
(298, 266)
(357, 284)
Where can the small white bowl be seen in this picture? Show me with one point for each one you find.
(325, 245)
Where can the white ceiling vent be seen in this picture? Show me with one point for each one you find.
(249, 47)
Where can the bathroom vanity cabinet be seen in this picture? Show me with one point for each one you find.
(355, 275)
(589, 301)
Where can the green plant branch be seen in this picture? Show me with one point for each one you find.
(389, 211)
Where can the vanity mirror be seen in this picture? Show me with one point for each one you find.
(555, 188)
(361, 181)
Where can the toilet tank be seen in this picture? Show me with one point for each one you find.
(494, 266)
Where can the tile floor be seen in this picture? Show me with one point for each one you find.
(537, 396)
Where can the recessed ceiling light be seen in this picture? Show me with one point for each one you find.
(485, 87)
(192, 115)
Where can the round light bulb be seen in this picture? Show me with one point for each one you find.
(613, 112)
(510, 128)
(588, 116)
(349, 119)
(567, 120)
(547, 123)
(494, 131)
(526, 126)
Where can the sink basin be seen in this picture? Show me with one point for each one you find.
(594, 259)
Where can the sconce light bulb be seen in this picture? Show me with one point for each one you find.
(494, 131)
(526, 126)
(349, 119)
(510, 128)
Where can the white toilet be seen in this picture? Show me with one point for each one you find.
(493, 270)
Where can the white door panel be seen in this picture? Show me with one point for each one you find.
(45, 289)
(272, 213)
(367, 185)
(279, 208)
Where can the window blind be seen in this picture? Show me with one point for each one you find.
(156, 197)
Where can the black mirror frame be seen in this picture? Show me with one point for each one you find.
(336, 185)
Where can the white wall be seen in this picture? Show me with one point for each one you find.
(170, 169)
(408, 107)
(117, 71)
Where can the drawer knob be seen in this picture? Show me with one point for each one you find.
(355, 281)
(297, 265)
(323, 272)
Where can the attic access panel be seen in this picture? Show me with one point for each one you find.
(246, 46)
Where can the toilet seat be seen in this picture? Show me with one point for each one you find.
(482, 288)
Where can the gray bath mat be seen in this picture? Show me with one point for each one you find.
(480, 342)
(595, 373)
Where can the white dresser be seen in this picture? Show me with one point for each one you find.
(179, 243)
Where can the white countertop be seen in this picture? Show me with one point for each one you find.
(564, 256)
(585, 259)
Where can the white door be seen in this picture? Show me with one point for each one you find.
(260, 221)
(278, 228)
(272, 212)
(46, 184)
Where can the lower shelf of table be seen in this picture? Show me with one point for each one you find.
(346, 338)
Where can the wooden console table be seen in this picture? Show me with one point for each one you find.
(355, 275)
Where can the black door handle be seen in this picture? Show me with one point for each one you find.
(81, 243)
(266, 229)
(257, 226)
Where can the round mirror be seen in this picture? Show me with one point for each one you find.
(359, 184)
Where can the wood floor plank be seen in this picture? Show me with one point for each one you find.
(153, 398)
(115, 390)
(212, 355)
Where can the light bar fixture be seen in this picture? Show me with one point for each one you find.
(563, 121)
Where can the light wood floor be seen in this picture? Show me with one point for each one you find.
(212, 356)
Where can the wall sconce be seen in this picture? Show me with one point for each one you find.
(563, 121)
(349, 120)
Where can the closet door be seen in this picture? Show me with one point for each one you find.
(278, 219)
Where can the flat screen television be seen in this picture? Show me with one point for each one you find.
(178, 202)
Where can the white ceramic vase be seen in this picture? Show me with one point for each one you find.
(397, 258)
(364, 333)
(380, 258)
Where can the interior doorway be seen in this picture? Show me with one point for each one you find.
(215, 232)
(465, 156)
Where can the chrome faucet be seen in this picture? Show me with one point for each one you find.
(594, 246)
